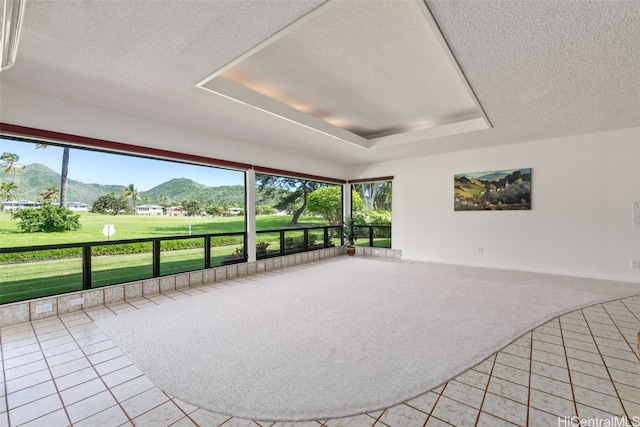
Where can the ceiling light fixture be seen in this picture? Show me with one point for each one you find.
(12, 15)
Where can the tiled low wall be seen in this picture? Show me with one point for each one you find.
(25, 311)
(378, 252)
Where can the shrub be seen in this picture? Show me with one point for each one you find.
(265, 210)
(214, 210)
(327, 202)
(47, 219)
(109, 204)
(374, 217)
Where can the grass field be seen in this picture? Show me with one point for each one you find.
(133, 227)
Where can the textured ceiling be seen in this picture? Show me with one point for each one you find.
(539, 69)
(351, 67)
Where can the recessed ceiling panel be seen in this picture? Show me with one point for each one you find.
(378, 70)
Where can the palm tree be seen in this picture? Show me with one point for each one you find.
(49, 194)
(6, 188)
(64, 173)
(11, 164)
(64, 177)
(131, 192)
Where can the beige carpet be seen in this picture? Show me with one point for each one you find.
(343, 337)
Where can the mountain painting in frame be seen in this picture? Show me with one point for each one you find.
(493, 191)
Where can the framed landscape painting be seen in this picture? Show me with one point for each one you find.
(493, 191)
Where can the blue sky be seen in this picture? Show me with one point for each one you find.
(93, 167)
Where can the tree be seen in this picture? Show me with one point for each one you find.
(64, 173)
(49, 194)
(6, 188)
(191, 208)
(265, 210)
(11, 164)
(131, 193)
(376, 195)
(327, 202)
(47, 219)
(214, 210)
(297, 191)
(64, 177)
(109, 204)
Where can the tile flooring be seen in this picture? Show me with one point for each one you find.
(64, 371)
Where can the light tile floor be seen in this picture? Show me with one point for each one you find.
(65, 371)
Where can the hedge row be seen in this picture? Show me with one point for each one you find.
(117, 249)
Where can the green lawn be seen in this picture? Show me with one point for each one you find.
(378, 242)
(23, 280)
(133, 227)
(42, 278)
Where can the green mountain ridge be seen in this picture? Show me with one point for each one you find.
(35, 178)
(174, 191)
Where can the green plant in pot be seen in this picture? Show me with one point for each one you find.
(349, 235)
(235, 257)
(261, 248)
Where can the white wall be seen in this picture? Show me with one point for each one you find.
(22, 107)
(581, 222)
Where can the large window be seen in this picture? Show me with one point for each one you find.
(76, 218)
(121, 217)
(141, 197)
(296, 214)
(372, 212)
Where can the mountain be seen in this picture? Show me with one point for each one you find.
(176, 190)
(498, 175)
(35, 178)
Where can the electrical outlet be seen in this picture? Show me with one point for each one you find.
(77, 301)
(480, 249)
(44, 308)
(635, 264)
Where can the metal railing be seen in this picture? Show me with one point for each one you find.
(294, 240)
(374, 235)
(54, 269)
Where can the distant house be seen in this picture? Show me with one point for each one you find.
(14, 205)
(174, 211)
(147, 209)
(78, 207)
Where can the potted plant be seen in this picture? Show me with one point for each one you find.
(261, 248)
(349, 235)
(234, 258)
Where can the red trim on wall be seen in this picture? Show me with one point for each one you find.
(27, 132)
(272, 171)
(83, 141)
(359, 181)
